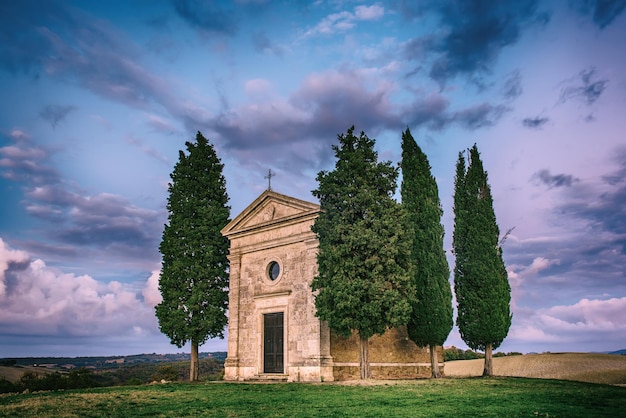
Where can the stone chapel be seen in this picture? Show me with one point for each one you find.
(273, 333)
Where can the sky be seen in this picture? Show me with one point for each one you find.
(98, 98)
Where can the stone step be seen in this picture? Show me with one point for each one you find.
(274, 377)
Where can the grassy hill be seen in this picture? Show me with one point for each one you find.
(584, 367)
(488, 397)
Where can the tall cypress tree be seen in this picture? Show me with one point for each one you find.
(194, 273)
(431, 319)
(481, 284)
(362, 282)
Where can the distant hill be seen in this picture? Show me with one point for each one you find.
(620, 352)
(104, 362)
(48, 373)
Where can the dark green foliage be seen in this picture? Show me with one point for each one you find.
(453, 353)
(7, 386)
(362, 282)
(431, 319)
(166, 372)
(209, 369)
(194, 275)
(481, 285)
(32, 382)
(136, 374)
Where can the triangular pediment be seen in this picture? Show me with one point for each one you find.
(270, 208)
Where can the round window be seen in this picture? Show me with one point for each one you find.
(273, 270)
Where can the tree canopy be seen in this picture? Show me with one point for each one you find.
(431, 318)
(481, 284)
(194, 272)
(362, 283)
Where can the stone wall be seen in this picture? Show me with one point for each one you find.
(392, 355)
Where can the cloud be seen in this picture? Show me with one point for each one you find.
(102, 221)
(586, 230)
(25, 163)
(473, 35)
(161, 125)
(589, 91)
(535, 123)
(8, 257)
(344, 21)
(22, 47)
(479, 116)
(429, 111)
(151, 294)
(539, 264)
(95, 56)
(148, 150)
(554, 180)
(603, 12)
(512, 88)
(603, 205)
(19, 136)
(369, 12)
(40, 300)
(55, 113)
(324, 105)
(263, 44)
(207, 16)
(576, 326)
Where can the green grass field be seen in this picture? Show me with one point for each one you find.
(451, 397)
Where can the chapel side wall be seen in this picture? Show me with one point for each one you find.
(392, 355)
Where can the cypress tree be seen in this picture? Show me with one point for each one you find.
(481, 284)
(431, 318)
(194, 273)
(362, 283)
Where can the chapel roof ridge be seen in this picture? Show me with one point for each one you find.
(270, 198)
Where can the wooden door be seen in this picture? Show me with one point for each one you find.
(273, 333)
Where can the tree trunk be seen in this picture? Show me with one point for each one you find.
(434, 362)
(193, 371)
(488, 371)
(364, 357)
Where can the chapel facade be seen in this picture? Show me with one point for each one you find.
(273, 333)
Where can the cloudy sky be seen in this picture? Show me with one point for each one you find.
(99, 97)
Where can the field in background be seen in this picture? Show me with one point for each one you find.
(584, 367)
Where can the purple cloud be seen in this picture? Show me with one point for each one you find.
(475, 33)
(216, 17)
(55, 113)
(23, 162)
(589, 91)
(603, 12)
(554, 180)
(534, 123)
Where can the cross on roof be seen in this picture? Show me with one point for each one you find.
(269, 176)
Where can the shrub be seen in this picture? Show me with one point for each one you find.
(166, 372)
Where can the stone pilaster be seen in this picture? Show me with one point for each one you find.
(231, 365)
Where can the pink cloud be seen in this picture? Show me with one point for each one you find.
(572, 326)
(46, 301)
